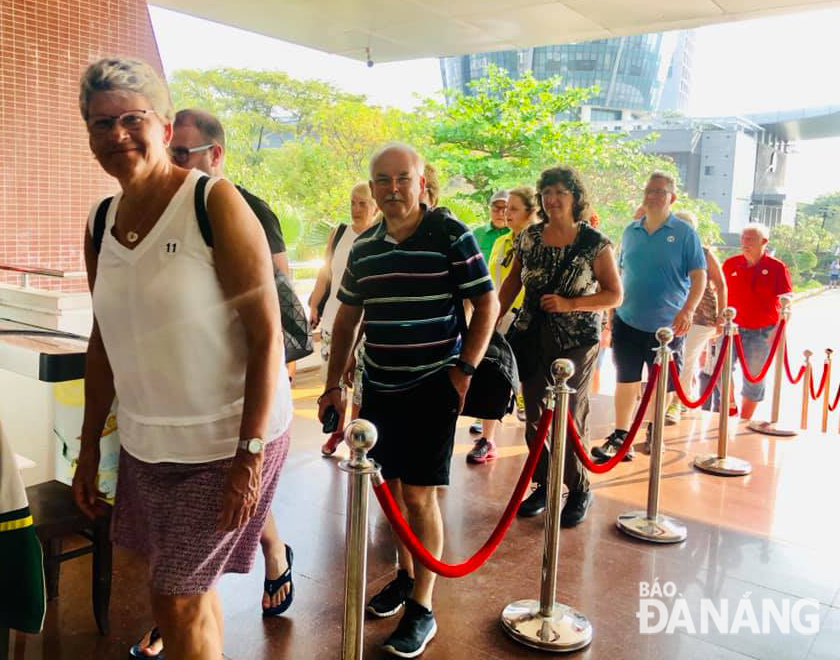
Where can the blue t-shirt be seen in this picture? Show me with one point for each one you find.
(654, 271)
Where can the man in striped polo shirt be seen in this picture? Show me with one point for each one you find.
(409, 275)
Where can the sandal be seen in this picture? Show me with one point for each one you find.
(273, 586)
(137, 652)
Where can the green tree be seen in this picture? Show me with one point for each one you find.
(301, 145)
(506, 131)
(798, 246)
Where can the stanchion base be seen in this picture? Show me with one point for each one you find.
(728, 466)
(771, 428)
(565, 630)
(661, 530)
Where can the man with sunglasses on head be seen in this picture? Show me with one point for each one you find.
(198, 142)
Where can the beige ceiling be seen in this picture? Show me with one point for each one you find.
(408, 29)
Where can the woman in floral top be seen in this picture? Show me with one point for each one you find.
(570, 276)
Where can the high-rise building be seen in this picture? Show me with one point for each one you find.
(636, 75)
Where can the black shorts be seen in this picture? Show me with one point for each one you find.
(632, 349)
(416, 430)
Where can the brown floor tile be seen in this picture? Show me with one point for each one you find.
(765, 534)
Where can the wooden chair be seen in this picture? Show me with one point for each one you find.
(56, 517)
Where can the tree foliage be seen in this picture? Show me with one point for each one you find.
(302, 145)
(506, 131)
(805, 248)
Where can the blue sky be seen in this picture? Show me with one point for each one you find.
(752, 66)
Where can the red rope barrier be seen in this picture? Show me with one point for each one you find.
(600, 468)
(832, 407)
(675, 377)
(816, 395)
(400, 526)
(793, 381)
(739, 348)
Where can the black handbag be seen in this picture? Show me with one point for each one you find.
(525, 344)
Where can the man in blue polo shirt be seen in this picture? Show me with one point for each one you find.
(664, 275)
(409, 274)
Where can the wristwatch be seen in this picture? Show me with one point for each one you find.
(465, 366)
(252, 445)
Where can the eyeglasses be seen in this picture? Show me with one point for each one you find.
(402, 181)
(656, 192)
(132, 120)
(181, 155)
(554, 192)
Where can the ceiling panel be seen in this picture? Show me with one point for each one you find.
(541, 25)
(407, 29)
(620, 14)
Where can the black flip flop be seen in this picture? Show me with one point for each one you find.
(273, 586)
(136, 652)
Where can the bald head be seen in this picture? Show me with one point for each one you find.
(401, 148)
(396, 181)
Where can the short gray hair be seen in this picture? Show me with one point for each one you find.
(758, 228)
(658, 174)
(205, 123)
(419, 163)
(126, 74)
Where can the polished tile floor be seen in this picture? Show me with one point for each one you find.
(771, 537)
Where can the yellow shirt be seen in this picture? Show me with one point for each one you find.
(502, 249)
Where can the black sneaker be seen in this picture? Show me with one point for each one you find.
(610, 448)
(534, 504)
(414, 631)
(648, 443)
(577, 505)
(389, 601)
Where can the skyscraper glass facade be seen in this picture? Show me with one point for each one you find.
(629, 72)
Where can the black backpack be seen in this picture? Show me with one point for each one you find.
(297, 336)
(493, 387)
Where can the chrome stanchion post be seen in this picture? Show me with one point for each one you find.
(826, 390)
(721, 463)
(649, 525)
(360, 436)
(806, 385)
(772, 427)
(545, 624)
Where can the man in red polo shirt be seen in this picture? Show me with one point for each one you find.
(755, 281)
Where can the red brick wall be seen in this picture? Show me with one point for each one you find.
(48, 177)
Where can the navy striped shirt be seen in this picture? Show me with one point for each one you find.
(409, 292)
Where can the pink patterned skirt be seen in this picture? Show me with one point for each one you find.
(167, 512)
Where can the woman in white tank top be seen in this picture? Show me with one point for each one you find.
(188, 339)
(363, 215)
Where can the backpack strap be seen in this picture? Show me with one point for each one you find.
(201, 211)
(99, 223)
(339, 232)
